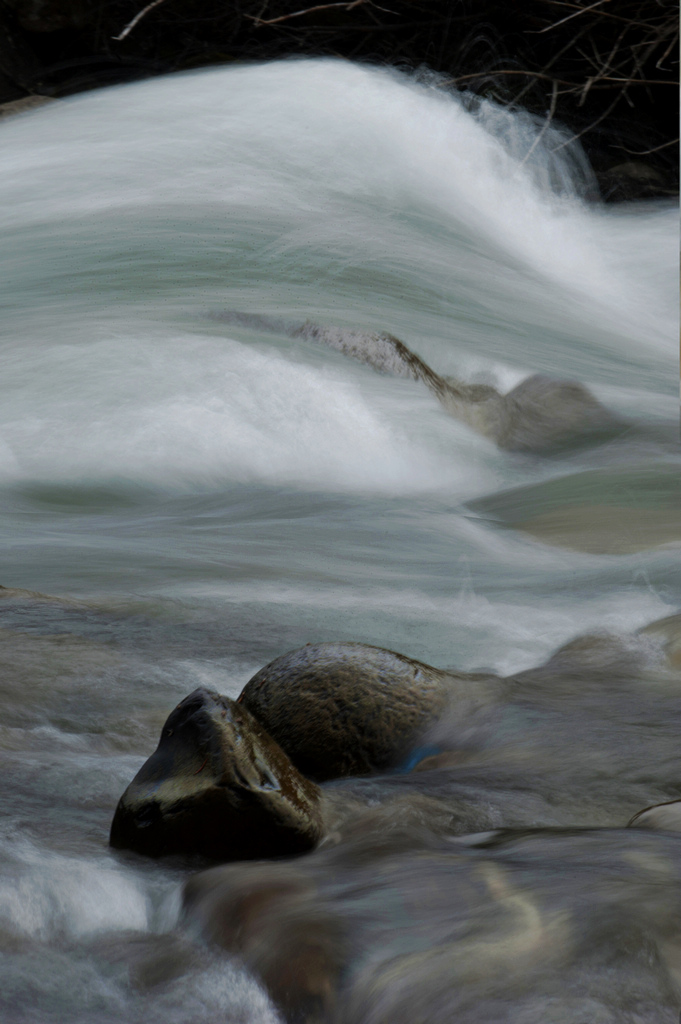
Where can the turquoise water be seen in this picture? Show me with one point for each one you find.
(197, 498)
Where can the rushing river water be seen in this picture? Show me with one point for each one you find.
(184, 500)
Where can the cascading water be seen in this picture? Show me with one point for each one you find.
(200, 497)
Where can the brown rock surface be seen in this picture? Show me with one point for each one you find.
(217, 785)
(341, 709)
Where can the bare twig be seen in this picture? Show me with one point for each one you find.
(645, 152)
(516, 99)
(576, 14)
(604, 67)
(299, 14)
(508, 71)
(547, 122)
(601, 14)
(385, 10)
(574, 86)
(667, 51)
(136, 20)
(370, 3)
(593, 124)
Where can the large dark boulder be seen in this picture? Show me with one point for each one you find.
(219, 786)
(342, 709)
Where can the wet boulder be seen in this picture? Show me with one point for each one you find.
(217, 785)
(661, 817)
(341, 709)
(595, 511)
(543, 414)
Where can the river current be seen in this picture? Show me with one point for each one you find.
(184, 500)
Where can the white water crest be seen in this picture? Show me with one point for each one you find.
(318, 189)
(185, 498)
(60, 895)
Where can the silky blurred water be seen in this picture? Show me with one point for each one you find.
(197, 498)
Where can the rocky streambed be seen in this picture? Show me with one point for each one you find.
(480, 827)
(444, 847)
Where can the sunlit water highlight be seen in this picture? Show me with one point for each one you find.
(202, 498)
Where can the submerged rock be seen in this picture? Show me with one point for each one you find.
(664, 817)
(342, 709)
(270, 917)
(608, 511)
(466, 931)
(667, 633)
(543, 414)
(540, 415)
(219, 786)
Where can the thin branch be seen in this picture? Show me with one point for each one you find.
(604, 67)
(593, 124)
(136, 20)
(576, 14)
(384, 9)
(575, 86)
(613, 53)
(508, 71)
(667, 51)
(547, 122)
(516, 99)
(645, 152)
(298, 14)
(601, 14)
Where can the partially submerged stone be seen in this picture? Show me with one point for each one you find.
(341, 709)
(217, 785)
(667, 632)
(610, 511)
(540, 415)
(270, 917)
(661, 817)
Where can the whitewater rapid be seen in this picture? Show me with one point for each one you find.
(196, 498)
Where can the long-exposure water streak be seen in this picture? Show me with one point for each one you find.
(185, 499)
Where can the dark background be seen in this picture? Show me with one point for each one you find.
(607, 70)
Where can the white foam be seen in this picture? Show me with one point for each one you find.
(52, 895)
(222, 992)
(197, 412)
(278, 180)
(346, 130)
(470, 629)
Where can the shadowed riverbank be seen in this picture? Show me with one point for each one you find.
(610, 77)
